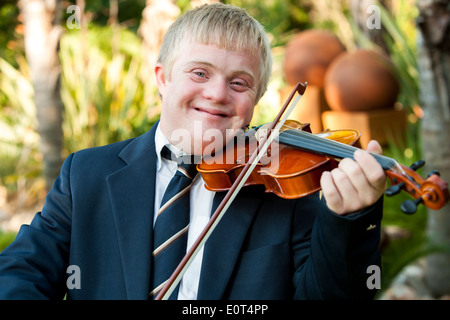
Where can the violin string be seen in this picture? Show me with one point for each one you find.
(333, 148)
(336, 146)
(311, 142)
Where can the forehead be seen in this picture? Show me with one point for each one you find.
(192, 52)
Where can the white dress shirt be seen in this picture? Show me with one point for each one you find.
(200, 211)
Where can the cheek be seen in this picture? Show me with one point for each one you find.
(246, 111)
(173, 96)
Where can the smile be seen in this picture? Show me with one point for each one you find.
(212, 112)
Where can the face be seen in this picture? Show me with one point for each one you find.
(209, 90)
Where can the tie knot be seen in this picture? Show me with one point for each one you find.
(187, 164)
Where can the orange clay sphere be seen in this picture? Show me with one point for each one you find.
(308, 56)
(360, 81)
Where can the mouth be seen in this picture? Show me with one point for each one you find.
(212, 112)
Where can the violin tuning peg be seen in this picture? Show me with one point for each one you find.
(433, 172)
(416, 165)
(394, 189)
(410, 206)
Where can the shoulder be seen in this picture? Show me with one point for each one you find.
(113, 156)
(98, 159)
(101, 152)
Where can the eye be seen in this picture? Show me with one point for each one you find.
(239, 85)
(200, 74)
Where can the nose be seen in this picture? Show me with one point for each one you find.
(217, 91)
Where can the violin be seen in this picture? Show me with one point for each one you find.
(302, 157)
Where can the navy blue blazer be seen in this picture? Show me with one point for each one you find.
(98, 217)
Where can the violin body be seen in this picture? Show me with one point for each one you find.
(286, 171)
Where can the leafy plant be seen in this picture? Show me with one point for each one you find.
(105, 97)
(5, 239)
(102, 89)
(19, 141)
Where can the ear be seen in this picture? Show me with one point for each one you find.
(160, 76)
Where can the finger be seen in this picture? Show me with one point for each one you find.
(348, 177)
(365, 193)
(374, 147)
(330, 192)
(371, 169)
(340, 195)
(355, 175)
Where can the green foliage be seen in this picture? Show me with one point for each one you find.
(105, 95)
(279, 18)
(102, 91)
(9, 43)
(129, 13)
(403, 52)
(5, 239)
(19, 141)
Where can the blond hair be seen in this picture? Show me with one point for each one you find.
(226, 26)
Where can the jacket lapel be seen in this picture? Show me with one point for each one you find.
(132, 190)
(224, 245)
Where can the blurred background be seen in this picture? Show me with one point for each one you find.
(79, 74)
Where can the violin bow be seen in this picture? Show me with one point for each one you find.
(270, 135)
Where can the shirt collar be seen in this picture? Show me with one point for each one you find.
(160, 142)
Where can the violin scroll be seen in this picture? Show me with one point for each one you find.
(432, 192)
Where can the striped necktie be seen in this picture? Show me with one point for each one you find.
(170, 230)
